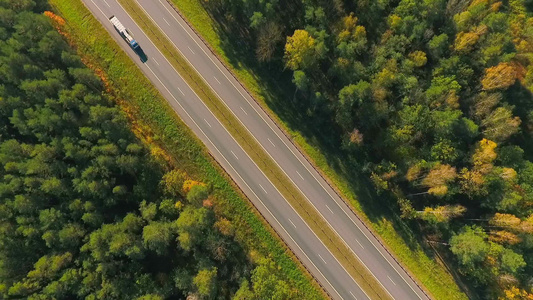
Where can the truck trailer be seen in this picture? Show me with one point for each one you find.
(124, 32)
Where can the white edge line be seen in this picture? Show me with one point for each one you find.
(99, 9)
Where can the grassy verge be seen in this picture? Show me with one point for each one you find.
(126, 81)
(392, 230)
(261, 158)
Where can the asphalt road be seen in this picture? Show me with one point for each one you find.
(309, 249)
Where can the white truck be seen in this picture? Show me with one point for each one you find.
(124, 32)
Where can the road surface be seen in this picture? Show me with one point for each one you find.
(309, 249)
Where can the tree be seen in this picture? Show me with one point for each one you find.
(197, 194)
(500, 124)
(511, 262)
(205, 282)
(301, 81)
(470, 245)
(268, 38)
(437, 179)
(300, 52)
(173, 181)
(157, 236)
(443, 213)
(501, 76)
(484, 156)
(190, 224)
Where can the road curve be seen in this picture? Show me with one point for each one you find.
(309, 249)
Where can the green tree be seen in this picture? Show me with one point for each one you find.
(205, 282)
(470, 245)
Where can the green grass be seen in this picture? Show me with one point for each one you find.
(126, 81)
(261, 158)
(397, 236)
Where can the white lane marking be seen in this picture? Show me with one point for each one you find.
(107, 3)
(217, 80)
(99, 8)
(322, 259)
(208, 124)
(359, 243)
(263, 189)
(353, 295)
(329, 209)
(244, 181)
(237, 158)
(244, 111)
(391, 280)
(191, 50)
(300, 175)
(181, 91)
(155, 61)
(292, 223)
(271, 142)
(166, 21)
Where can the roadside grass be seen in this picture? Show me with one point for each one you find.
(317, 223)
(151, 112)
(270, 91)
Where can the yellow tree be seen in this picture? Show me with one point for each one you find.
(484, 156)
(443, 213)
(472, 182)
(437, 179)
(515, 293)
(300, 50)
(501, 76)
(504, 237)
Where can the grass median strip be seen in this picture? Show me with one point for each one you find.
(312, 217)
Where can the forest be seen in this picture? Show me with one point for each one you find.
(86, 210)
(431, 99)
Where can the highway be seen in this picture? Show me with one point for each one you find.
(277, 211)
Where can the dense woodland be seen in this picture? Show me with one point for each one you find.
(86, 212)
(432, 99)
